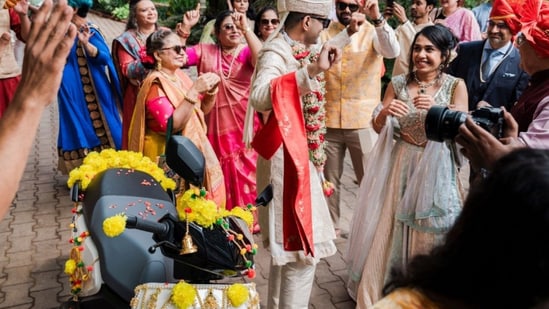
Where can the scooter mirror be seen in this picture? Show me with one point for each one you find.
(185, 159)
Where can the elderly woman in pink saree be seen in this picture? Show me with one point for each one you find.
(460, 20)
(234, 62)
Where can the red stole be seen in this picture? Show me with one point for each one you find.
(286, 126)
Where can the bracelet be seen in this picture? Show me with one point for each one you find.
(184, 35)
(181, 33)
(378, 21)
(190, 100)
(246, 30)
(214, 92)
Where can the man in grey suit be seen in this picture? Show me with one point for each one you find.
(490, 67)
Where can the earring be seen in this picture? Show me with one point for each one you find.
(159, 65)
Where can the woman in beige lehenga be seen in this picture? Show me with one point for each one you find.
(410, 195)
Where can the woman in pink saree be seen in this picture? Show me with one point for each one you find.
(234, 62)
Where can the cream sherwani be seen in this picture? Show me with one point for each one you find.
(291, 274)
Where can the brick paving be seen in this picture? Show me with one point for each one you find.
(34, 234)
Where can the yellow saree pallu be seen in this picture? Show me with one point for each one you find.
(152, 144)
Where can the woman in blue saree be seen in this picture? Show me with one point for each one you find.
(89, 96)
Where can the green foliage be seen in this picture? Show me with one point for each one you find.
(122, 12)
(108, 6)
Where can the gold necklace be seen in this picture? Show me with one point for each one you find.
(142, 37)
(173, 78)
(234, 53)
(423, 86)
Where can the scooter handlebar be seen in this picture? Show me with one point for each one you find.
(158, 228)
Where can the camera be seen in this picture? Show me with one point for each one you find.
(442, 123)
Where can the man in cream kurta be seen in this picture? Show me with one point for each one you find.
(419, 11)
(292, 271)
(353, 90)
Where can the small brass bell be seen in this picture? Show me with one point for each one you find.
(188, 245)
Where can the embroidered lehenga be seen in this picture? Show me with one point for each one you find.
(89, 98)
(409, 197)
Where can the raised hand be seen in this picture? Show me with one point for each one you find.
(371, 9)
(399, 12)
(22, 7)
(50, 39)
(327, 57)
(240, 20)
(357, 20)
(191, 17)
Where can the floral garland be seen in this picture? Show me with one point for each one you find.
(315, 117)
(96, 162)
(193, 206)
(313, 110)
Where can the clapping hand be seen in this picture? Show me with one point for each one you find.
(206, 82)
(396, 108)
(423, 101)
(84, 34)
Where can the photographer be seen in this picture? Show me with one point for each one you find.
(527, 124)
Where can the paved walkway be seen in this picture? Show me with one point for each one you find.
(34, 235)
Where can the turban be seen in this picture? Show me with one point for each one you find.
(315, 7)
(535, 25)
(509, 12)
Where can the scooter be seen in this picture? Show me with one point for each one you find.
(108, 270)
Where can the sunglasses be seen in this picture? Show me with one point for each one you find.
(325, 21)
(273, 22)
(343, 6)
(228, 27)
(176, 48)
(501, 25)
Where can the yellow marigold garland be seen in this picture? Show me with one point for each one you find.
(194, 206)
(115, 225)
(70, 266)
(96, 162)
(238, 294)
(183, 295)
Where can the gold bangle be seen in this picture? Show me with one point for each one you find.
(190, 100)
(214, 92)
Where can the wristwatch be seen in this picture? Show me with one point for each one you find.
(378, 21)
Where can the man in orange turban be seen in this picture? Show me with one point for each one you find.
(527, 125)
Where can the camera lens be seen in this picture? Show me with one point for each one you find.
(442, 123)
